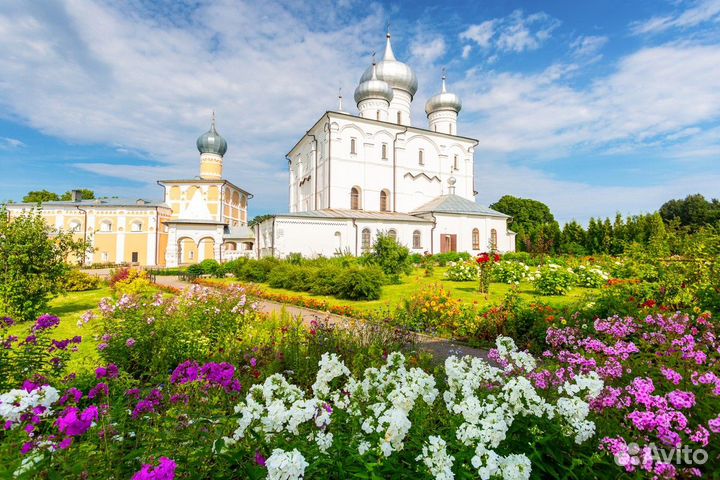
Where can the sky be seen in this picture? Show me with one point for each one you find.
(591, 107)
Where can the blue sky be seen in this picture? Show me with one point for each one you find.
(591, 107)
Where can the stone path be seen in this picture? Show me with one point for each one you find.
(440, 348)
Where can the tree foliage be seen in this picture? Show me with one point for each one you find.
(536, 228)
(40, 196)
(693, 211)
(392, 258)
(33, 263)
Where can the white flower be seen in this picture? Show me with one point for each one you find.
(331, 367)
(324, 441)
(363, 447)
(282, 465)
(18, 401)
(436, 459)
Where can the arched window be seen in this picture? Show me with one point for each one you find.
(399, 118)
(74, 226)
(338, 238)
(355, 198)
(417, 240)
(352, 146)
(455, 163)
(384, 201)
(136, 227)
(384, 151)
(476, 239)
(493, 239)
(106, 226)
(421, 157)
(392, 233)
(378, 115)
(366, 240)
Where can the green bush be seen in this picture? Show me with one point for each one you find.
(195, 270)
(77, 281)
(360, 283)
(324, 281)
(443, 259)
(510, 271)
(209, 266)
(552, 279)
(591, 277)
(392, 258)
(462, 271)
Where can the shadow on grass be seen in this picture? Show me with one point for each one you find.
(77, 302)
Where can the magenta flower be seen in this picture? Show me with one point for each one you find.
(681, 400)
(97, 390)
(164, 471)
(260, 459)
(74, 423)
(46, 322)
(130, 342)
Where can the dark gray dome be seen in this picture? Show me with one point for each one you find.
(212, 142)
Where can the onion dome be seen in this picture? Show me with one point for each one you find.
(373, 89)
(211, 141)
(396, 74)
(443, 101)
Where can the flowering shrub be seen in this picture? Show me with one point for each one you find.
(510, 271)
(77, 281)
(485, 262)
(462, 271)
(36, 354)
(431, 308)
(552, 279)
(662, 388)
(592, 277)
(155, 335)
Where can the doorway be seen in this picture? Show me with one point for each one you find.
(448, 243)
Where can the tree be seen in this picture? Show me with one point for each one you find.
(393, 258)
(533, 222)
(40, 196)
(258, 219)
(572, 239)
(693, 211)
(33, 263)
(86, 195)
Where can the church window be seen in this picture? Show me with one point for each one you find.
(384, 151)
(106, 226)
(392, 233)
(136, 227)
(378, 115)
(399, 118)
(191, 255)
(493, 239)
(421, 157)
(366, 240)
(104, 257)
(384, 201)
(476, 239)
(355, 198)
(417, 239)
(134, 257)
(74, 226)
(352, 146)
(455, 163)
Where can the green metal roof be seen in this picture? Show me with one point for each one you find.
(458, 205)
(99, 203)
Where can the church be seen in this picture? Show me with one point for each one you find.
(354, 177)
(351, 177)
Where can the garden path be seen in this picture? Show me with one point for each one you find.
(440, 348)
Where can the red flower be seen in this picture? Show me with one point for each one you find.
(649, 304)
(483, 258)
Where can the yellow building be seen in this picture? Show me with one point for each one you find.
(200, 218)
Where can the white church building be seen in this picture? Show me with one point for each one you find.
(353, 177)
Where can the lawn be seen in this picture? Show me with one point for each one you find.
(392, 295)
(70, 308)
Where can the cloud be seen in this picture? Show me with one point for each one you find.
(587, 46)
(428, 51)
(701, 11)
(10, 143)
(542, 114)
(516, 32)
(466, 51)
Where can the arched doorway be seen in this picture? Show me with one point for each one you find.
(187, 251)
(206, 248)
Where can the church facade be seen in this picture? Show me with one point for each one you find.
(353, 177)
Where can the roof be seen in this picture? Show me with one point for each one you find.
(99, 202)
(239, 233)
(196, 221)
(355, 215)
(458, 205)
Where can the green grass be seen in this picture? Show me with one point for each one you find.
(70, 308)
(392, 295)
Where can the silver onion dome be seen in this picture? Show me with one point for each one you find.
(396, 74)
(211, 141)
(373, 88)
(443, 101)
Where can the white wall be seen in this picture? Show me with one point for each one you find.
(463, 225)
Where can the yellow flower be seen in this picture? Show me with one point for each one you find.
(563, 321)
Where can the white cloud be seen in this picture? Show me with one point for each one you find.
(700, 12)
(466, 51)
(513, 33)
(428, 51)
(10, 143)
(587, 46)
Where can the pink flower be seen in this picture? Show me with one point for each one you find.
(164, 471)
(671, 375)
(72, 424)
(130, 342)
(714, 425)
(681, 400)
